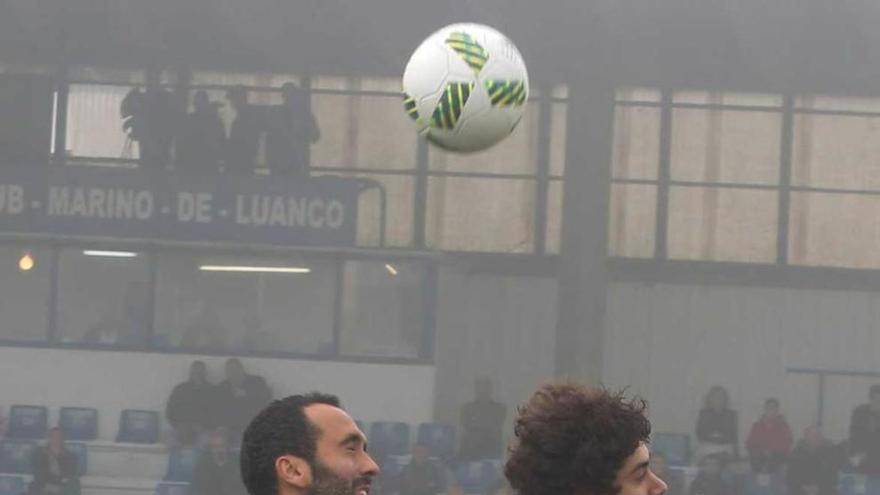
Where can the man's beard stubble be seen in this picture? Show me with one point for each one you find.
(326, 482)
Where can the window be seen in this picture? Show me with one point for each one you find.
(249, 304)
(104, 297)
(383, 309)
(24, 292)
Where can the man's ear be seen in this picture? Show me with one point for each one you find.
(293, 471)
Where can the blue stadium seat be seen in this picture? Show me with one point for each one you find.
(764, 484)
(675, 447)
(11, 484)
(27, 422)
(439, 438)
(389, 438)
(15, 456)
(138, 426)
(79, 423)
(181, 465)
(857, 484)
(172, 488)
(81, 451)
(478, 477)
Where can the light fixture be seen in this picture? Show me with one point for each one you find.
(26, 262)
(109, 254)
(391, 269)
(255, 269)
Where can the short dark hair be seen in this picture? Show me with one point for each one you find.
(875, 390)
(280, 429)
(772, 401)
(574, 439)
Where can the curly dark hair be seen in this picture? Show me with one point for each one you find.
(573, 439)
(280, 429)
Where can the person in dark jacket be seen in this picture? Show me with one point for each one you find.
(421, 476)
(864, 434)
(482, 420)
(813, 465)
(239, 398)
(202, 139)
(249, 124)
(216, 471)
(190, 405)
(55, 469)
(291, 130)
(717, 426)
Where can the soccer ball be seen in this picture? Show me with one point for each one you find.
(465, 87)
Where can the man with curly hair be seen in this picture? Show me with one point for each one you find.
(575, 440)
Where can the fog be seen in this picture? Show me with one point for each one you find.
(207, 205)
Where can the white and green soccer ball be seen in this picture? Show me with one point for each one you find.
(466, 87)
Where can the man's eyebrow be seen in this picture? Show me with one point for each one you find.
(643, 465)
(353, 438)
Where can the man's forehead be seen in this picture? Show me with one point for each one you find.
(330, 419)
(641, 455)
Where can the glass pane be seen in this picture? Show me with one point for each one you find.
(400, 198)
(555, 195)
(636, 142)
(467, 214)
(638, 94)
(633, 216)
(382, 309)
(363, 132)
(725, 146)
(722, 224)
(94, 127)
(836, 151)
(515, 154)
(834, 230)
(24, 293)
(840, 103)
(225, 303)
(714, 98)
(104, 298)
(558, 128)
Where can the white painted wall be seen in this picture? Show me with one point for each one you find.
(670, 343)
(113, 381)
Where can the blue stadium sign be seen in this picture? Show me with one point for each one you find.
(132, 204)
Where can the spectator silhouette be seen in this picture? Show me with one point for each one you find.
(150, 117)
(55, 468)
(202, 136)
(481, 422)
(291, 130)
(770, 439)
(864, 434)
(717, 426)
(216, 471)
(240, 397)
(813, 466)
(244, 134)
(191, 404)
(421, 476)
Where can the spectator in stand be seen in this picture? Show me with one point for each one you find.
(864, 434)
(421, 476)
(709, 480)
(239, 398)
(216, 471)
(813, 466)
(674, 480)
(291, 130)
(770, 440)
(481, 422)
(717, 426)
(55, 468)
(243, 144)
(190, 405)
(202, 139)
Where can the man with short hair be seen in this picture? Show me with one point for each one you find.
(864, 434)
(306, 445)
(574, 440)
